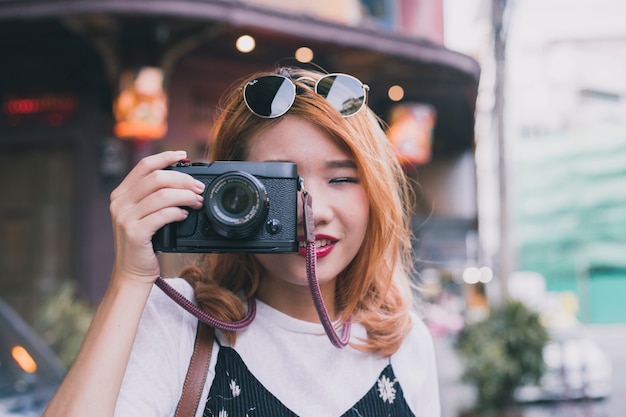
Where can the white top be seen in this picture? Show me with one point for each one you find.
(328, 380)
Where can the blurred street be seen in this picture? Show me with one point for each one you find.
(456, 396)
(509, 117)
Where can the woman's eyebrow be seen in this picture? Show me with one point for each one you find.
(342, 163)
(336, 163)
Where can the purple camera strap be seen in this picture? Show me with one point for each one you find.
(318, 300)
(202, 315)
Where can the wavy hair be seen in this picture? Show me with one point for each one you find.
(375, 288)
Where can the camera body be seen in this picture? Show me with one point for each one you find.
(249, 207)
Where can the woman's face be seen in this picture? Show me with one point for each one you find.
(340, 205)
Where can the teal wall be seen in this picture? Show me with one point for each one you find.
(607, 296)
(569, 205)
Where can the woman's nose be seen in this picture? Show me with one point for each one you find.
(321, 207)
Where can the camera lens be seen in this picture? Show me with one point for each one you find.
(236, 204)
(235, 200)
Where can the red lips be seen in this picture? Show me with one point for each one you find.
(324, 245)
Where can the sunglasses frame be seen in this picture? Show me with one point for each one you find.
(365, 88)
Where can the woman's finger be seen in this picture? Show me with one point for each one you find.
(146, 166)
(156, 186)
(154, 211)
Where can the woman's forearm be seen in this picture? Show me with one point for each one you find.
(147, 199)
(92, 385)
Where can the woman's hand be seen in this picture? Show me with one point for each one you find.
(146, 200)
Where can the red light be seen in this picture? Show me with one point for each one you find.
(51, 109)
(22, 106)
(39, 105)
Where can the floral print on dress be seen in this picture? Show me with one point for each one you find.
(386, 391)
(235, 392)
(234, 388)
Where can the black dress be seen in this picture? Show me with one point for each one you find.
(235, 392)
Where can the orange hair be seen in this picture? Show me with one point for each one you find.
(375, 288)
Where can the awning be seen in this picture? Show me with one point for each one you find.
(427, 71)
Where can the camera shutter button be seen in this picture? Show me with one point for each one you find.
(183, 163)
(273, 226)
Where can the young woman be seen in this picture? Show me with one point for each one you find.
(135, 357)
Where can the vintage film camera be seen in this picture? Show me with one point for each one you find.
(249, 207)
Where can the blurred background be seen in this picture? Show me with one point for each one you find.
(509, 114)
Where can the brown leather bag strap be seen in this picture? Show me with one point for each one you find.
(197, 372)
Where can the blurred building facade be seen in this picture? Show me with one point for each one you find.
(62, 66)
(566, 118)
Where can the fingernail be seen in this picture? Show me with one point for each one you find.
(199, 185)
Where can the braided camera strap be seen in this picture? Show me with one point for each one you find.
(197, 372)
(311, 274)
(201, 315)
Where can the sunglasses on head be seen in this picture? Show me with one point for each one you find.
(272, 96)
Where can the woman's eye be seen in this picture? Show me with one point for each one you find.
(337, 180)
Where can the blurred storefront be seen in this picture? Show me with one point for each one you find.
(572, 220)
(64, 64)
(566, 117)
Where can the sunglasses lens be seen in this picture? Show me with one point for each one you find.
(344, 92)
(269, 96)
